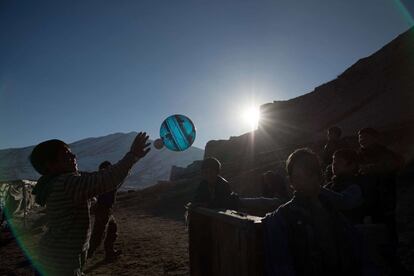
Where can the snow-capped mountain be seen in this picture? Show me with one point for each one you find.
(90, 152)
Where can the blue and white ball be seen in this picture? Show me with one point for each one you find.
(177, 132)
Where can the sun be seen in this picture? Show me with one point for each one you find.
(251, 116)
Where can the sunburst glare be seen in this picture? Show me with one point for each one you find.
(251, 116)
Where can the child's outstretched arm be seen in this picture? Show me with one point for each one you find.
(88, 185)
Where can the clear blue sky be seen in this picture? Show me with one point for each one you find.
(78, 69)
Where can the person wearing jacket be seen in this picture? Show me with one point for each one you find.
(307, 236)
(344, 191)
(66, 193)
(214, 191)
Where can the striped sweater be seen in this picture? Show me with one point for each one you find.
(62, 247)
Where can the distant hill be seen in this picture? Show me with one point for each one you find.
(90, 152)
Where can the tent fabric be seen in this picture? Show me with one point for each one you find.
(16, 196)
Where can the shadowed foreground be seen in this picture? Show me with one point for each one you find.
(151, 245)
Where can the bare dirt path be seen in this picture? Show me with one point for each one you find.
(151, 245)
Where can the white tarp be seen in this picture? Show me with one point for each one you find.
(16, 196)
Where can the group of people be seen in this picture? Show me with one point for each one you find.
(309, 232)
(313, 229)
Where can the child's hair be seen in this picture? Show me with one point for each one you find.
(306, 157)
(104, 165)
(45, 153)
(348, 155)
(211, 163)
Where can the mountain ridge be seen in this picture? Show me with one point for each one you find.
(91, 151)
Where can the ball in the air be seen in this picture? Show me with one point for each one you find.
(177, 132)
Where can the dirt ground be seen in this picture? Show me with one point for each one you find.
(150, 245)
(152, 236)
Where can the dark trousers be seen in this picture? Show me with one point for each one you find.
(104, 222)
(56, 270)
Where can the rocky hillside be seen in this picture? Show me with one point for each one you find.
(376, 91)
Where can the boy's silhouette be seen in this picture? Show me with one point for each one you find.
(66, 193)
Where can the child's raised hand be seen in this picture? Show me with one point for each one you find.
(140, 147)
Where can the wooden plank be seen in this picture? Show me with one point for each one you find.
(224, 242)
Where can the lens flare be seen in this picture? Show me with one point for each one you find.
(405, 11)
